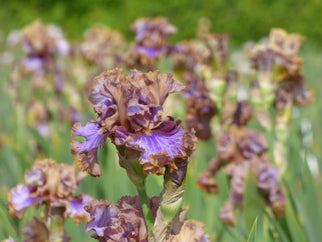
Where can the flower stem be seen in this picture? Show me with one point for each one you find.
(56, 224)
(171, 202)
(145, 207)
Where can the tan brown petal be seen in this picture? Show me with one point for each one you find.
(191, 231)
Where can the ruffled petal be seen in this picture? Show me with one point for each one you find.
(103, 214)
(75, 208)
(159, 147)
(95, 137)
(155, 88)
(21, 197)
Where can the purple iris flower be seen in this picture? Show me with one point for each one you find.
(50, 182)
(129, 109)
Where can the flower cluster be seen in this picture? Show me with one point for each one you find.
(129, 109)
(53, 184)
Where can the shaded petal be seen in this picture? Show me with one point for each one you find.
(144, 116)
(159, 147)
(21, 197)
(158, 86)
(95, 137)
(103, 214)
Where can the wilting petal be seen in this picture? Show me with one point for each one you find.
(95, 137)
(159, 147)
(21, 197)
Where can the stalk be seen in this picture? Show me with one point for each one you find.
(130, 162)
(56, 222)
(145, 208)
(171, 201)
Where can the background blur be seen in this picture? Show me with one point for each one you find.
(245, 20)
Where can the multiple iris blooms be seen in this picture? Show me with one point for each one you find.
(129, 112)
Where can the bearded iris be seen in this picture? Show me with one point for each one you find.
(129, 112)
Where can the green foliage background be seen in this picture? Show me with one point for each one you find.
(244, 19)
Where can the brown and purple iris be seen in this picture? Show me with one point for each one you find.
(51, 183)
(129, 109)
(151, 36)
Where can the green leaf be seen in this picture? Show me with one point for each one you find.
(252, 234)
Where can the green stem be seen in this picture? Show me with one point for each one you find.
(145, 208)
(171, 201)
(56, 224)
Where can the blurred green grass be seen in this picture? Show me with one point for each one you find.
(303, 190)
(245, 19)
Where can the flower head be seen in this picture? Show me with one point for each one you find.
(50, 182)
(40, 39)
(99, 45)
(129, 109)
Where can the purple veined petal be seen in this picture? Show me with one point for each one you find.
(20, 198)
(33, 63)
(76, 208)
(93, 133)
(86, 152)
(159, 147)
